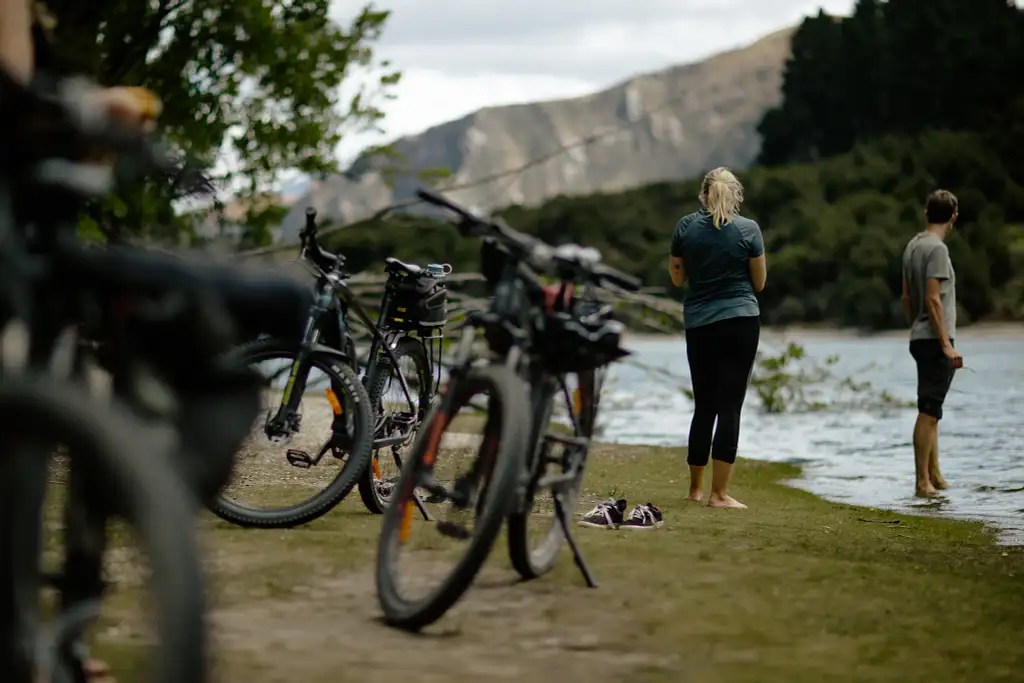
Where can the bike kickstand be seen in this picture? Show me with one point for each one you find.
(577, 556)
(422, 507)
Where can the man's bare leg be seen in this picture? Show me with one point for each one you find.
(696, 483)
(925, 436)
(721, 473)
(938, 481)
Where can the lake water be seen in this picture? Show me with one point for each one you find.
(859, 455)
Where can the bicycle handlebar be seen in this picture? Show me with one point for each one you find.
(585, 261)
(311, 249)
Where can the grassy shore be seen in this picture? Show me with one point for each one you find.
(794, 589)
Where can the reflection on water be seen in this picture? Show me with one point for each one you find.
(862, 456)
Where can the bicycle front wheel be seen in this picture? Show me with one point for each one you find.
(145, 492)
(535, 535)
(292, 478)
(470, 479)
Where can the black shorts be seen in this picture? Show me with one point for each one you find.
(934, 375)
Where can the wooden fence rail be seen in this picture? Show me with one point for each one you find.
(641, 312)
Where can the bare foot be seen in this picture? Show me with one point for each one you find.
(696, 496)
(938, 482)
(927, 491)
(95, 671)
(725, 503)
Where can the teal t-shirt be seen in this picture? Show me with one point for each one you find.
(717, 262)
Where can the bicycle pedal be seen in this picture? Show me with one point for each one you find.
(297, 458)
(406, 419)
(453, 530)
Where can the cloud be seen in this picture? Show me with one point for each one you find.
(457, 56)
(446, 22)
(606, 40)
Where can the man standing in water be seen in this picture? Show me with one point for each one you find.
(929, 304)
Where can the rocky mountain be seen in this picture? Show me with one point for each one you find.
(667, 125)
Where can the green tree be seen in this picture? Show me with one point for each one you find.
(253, 80)
(901, 66)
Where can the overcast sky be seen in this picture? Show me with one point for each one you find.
(457, 56)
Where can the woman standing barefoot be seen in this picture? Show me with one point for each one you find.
(721, 255)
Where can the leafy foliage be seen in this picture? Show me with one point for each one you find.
(788, 381)
(253, 80)
(896, 67)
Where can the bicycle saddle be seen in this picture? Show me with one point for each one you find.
(394, 265)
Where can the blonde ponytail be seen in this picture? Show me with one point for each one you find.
(721, 193)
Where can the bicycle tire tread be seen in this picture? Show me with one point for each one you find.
(513, 403)
(331, 495)
(150, 495)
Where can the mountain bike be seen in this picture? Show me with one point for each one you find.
(538, 346)
(379, 411)
(163, 322)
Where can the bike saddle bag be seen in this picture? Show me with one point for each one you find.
(415, 302)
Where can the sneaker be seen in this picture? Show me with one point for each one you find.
(606, 515)
(644, 516)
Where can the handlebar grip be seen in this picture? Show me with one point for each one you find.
(308, 232)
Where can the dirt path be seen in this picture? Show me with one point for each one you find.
(301, 605)
(330, 630)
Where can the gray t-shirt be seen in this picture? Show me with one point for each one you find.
(717, 263)
(927, 256)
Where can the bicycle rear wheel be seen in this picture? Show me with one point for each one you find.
(535, 536)
(397, 415)
(488, 488)
(146, 492)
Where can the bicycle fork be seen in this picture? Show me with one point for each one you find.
(286, 420)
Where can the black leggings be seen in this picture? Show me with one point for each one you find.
(721, 357)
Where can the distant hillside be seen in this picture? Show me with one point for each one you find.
(701, 115)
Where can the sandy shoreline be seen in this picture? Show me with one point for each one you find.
(1000, 330)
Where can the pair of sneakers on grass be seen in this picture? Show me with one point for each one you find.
(611, 514)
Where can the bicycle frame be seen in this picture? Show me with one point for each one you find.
(512, 313)
(50, 318)
(334, 294)
(85, 516)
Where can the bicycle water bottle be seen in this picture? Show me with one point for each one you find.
(438, 270)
